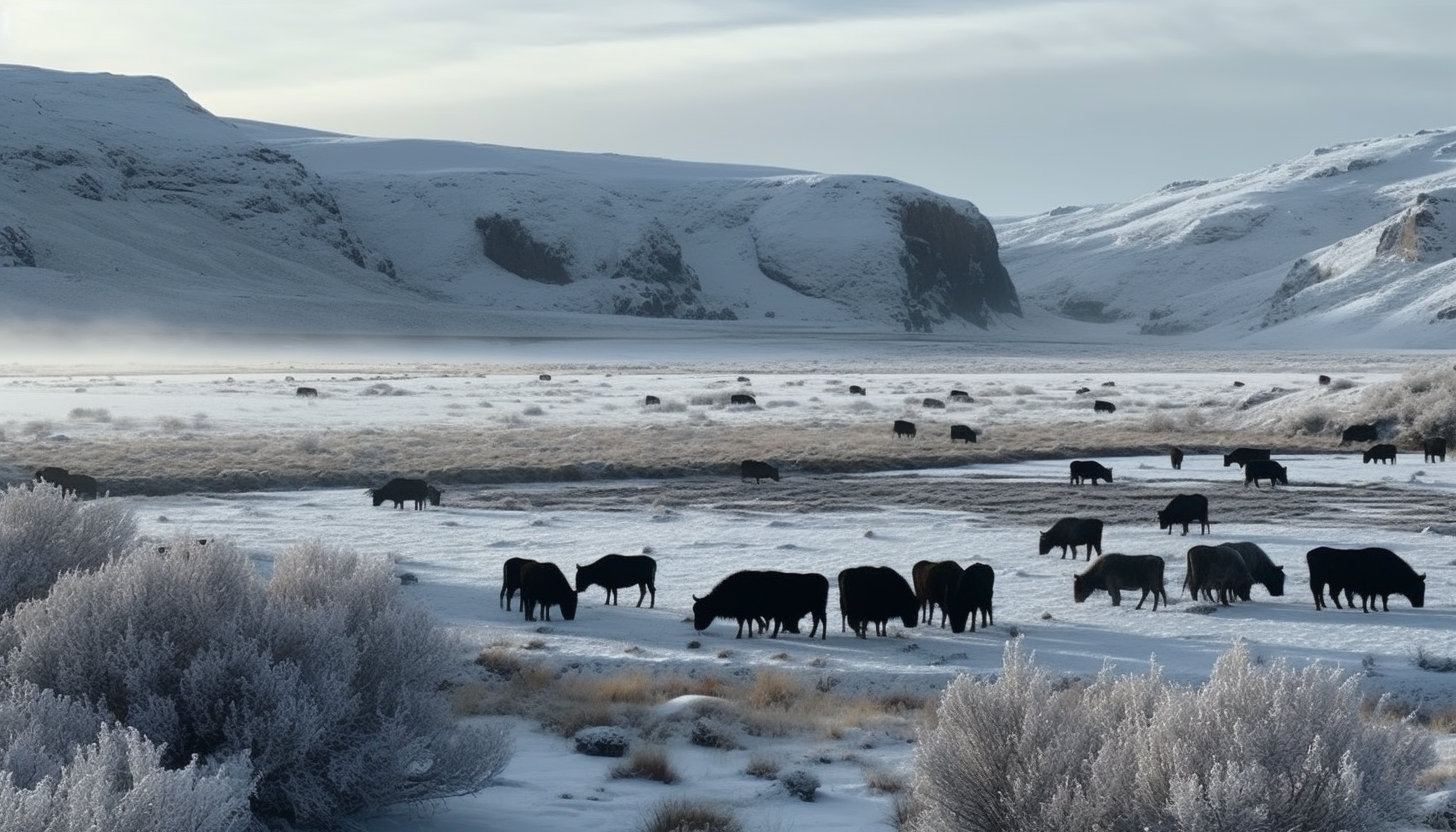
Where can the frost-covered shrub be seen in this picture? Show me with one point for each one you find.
(1421, 403)
(801, 784)
(1256, 747)
(45, 533)
(321, 677)
(602, 741)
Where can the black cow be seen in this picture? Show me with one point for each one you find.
(1368, 572)
(742, 398)
(544, 377)
(758, 471)
(1265, 469)
(1109, 384)
(1324, 379)
(1261, 569)
(1381, 453)
(744, 380)
(874, 595)
(81, 485)
(306, 392)
(651, 400)
(544, 585)
(920, 576)
(1359, 433)
(856, 390)
(1242, 456)
(399, 490)
(938, 582)
(1114, 572)
(932, 403)
(1073, 532)
(1175, 456)
(971, 596)
(1184, 509)
(962, 432)
(616, 571)
(749, 595)
(905, 429)
(1100, 406)
(1081, 390)
(1217, 573)
(1086, 469)
(1434, 447)
(960, 396)
(511, 579)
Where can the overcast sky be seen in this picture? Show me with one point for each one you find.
(1017, 105)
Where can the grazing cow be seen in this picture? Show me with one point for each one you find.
(1324, 379)
(613, 572)
(970, 596)
(932, 403)
(511, 579)
(1184, 509)
(749, 595)
(920, 576)
(399, 490)
(874, 595)
(1081, 390)
(651, 400)
(1217, 573)
(960, 396)
(1114, 572)
(1109, 384)
(1261, 569)
(962, 432)
(938, 581)
(744, 380)
(742, 398)
(1100, 406)
(1072, 532)
(1368, 572)
(759, 471)
(1242, 456)
(81, 485)
(856, 390)
(543, 585)
(905, 429)
(1381, 453)
(1238, 384)
(1434, 447)
(1359, 433)
(1175, 456)
(306, 392)
(1086, 469)
(544, 377)
(1265, 469)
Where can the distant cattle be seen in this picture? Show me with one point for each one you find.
(1238, 384)
(1359, 433)
(1081, 390)
(960, 396)
(544, 377)
(1261, 569)
(758, 471)
(874, 595)
(1114, 572)
(1072, 532)
(962, 432)
(1434, 447)
(742, 398)
(1381, 453)
(306, 392)
(81, 485)
(971, 596)
(1370, 573)
(856, 390)
(613, 572)
(511, 579)
(1100, 406)
(744, 380)
(1242, 456)
(400, 490)
(1265, 469)
(1086, 469)
(1175, 456)
(905, 429)
(932, 403)
(544, 586)
(651, 400)
(1183, 510)
(1217, 573)
(1324, 379)
(920, 577)
(781, 597)
(938, 581)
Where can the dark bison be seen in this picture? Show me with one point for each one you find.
(960, 396)
(744, 380)
(1261, 569)
(1368, 572)
(1081, 390)
(856, 390)
(1434, 447)
(1217, 573)
(511, 579)
(920, 577)
(1381, 453)
(1324, 379)
(1072, 532)
(905, 429)
(306, 392)
(874, 595)
(1185, 509)
(400, 490)
(932, 403)
(1100, 406)
(616, 571)
(1115, 572)
(543, 585)
(1243, 456)
(971, 596)
(742, 398)
(1175, 456)
(651, 400)
(83, 486)
(1359, 433)
(758, 471)
(962, 432)
(544, 377)
(1265, 469)
(1086, 469)
(783, 597)
(938, 582)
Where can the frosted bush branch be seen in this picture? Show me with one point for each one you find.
(45, 533)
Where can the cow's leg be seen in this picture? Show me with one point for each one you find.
(652, 588)
(1142, 599)
(1116, 595)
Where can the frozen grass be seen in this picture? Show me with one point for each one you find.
(690, 816)
(647, 763)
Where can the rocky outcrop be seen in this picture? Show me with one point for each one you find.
(952, 267)
(509, 245)
(1417, 233)
(15, 247)
(653, 281)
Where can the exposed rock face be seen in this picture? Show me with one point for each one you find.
(655, 282)
(15, 247)
(509, 245)
(1416, 234)
(952, 267)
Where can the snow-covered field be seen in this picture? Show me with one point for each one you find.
(701, 527)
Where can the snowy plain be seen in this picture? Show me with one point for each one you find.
(701, 528)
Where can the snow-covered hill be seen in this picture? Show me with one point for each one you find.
(120, 198)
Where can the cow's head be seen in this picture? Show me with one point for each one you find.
(1417, 593)
(1082, 586)
(568, 606)
(702, 613)
(1044, 545)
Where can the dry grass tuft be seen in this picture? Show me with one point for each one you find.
(774, 689)
(690, 816)
(646, 763)
(764, 768)
(884, 782)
